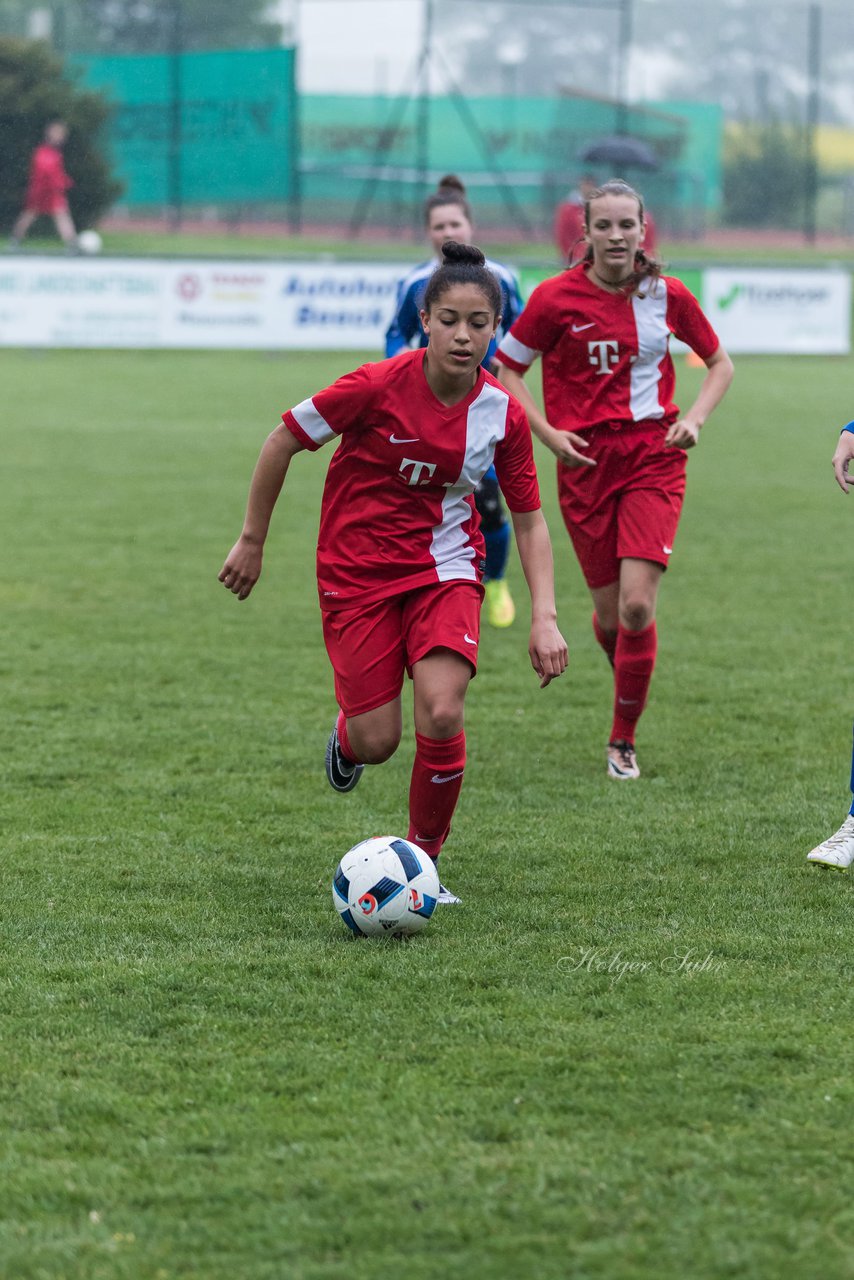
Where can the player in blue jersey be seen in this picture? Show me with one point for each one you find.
(448, 216)
(838, 850)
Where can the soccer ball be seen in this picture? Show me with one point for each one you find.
(385, 886)
(89, 242)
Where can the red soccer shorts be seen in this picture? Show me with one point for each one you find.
(47, 204)
(370, 648)
(628, 505)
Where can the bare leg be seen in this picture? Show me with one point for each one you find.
(375, 735)
(23, 223)
(65, 227)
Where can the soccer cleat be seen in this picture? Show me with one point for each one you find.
(622, 761)
(446, 898)
(341, 772)
(500, 609)
(838, 850)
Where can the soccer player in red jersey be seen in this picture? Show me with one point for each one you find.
(448, 216)
(399, 550)
(603, 329)
(47, 188)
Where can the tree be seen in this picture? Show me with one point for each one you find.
(153, 26)
(34, 90)
(766, 169)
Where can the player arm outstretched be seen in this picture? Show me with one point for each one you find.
(842, 456)
(565, 445)
(547, 647)
(242, 567)
(685, 431)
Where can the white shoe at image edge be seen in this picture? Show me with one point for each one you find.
(838, 850)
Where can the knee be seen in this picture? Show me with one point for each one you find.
(636, 613)
(376, 746)
(444, 718)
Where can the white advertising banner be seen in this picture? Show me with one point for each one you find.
(113, 302)
(779, 312)
(135, 302)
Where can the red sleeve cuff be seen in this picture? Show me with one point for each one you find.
(296, 430)
(503, 358)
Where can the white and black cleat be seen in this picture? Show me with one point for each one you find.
(342, 773)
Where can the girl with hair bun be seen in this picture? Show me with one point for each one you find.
(603, 329)
(448, 216)
(400, 547)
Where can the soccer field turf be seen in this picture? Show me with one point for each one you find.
(627, 1056)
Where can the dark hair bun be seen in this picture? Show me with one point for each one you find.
(453, 251)
(451, 182)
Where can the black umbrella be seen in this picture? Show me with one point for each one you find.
(622, 152)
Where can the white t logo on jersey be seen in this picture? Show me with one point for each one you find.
(603, 355)
(418, 468)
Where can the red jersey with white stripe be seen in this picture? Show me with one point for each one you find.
(606, 356)
(397, 511)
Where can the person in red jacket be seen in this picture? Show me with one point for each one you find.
(569, 219)
(47, 187)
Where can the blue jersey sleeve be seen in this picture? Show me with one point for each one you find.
(513, 305)
(406, 322)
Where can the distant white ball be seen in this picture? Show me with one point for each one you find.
(89, 242)
(385, 885)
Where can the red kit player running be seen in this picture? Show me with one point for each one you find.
(602, 329)
(47, 188)
(399, 548)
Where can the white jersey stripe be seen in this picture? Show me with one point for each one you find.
(313, 423)
(650, 311)
(486, 425)
(517, 351)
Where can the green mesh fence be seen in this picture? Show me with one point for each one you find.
(372, 159)
(205, 128)
(243, 137)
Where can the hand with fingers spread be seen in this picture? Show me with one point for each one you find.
(842, 456)
(565, 445)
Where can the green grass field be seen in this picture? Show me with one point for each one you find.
(627, 1056)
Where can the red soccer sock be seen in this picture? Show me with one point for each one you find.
(634, 661)
(344, 741)
(606, 639)
(437, 776)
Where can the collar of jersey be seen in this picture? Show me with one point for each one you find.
(449, 409)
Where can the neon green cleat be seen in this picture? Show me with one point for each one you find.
(500, 609)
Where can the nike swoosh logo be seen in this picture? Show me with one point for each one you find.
(450, 777)
(579, 328)
(468, 639)
(628, 702)
(668, 551)
(393, 439)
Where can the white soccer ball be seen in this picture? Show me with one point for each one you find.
(385, 885)
(89, 242)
